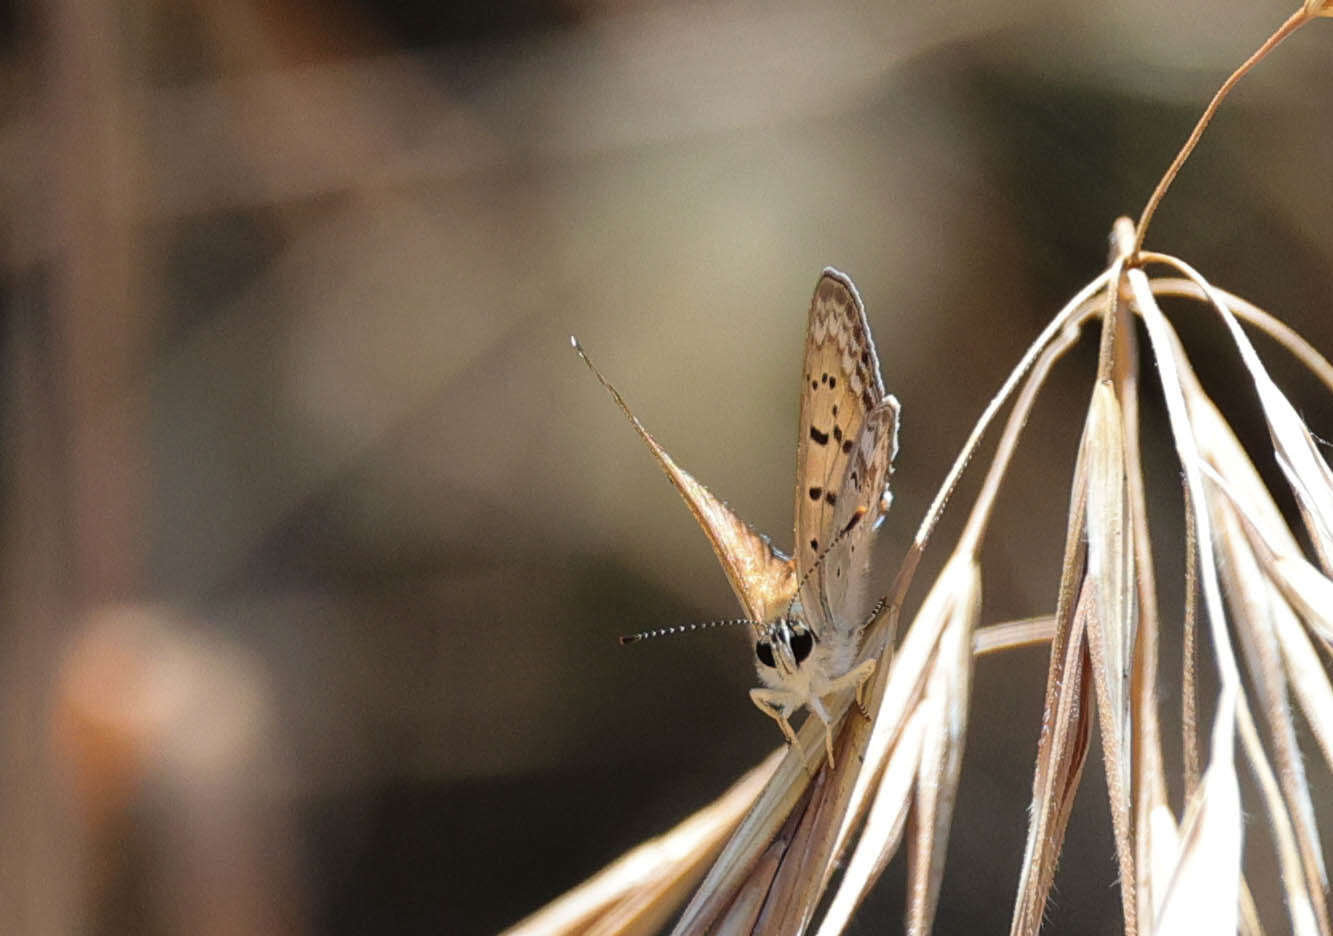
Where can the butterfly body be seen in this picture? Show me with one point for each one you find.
(806, 609)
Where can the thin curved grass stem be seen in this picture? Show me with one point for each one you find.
(1248, 312)
(1075, 310)
(1293, 23)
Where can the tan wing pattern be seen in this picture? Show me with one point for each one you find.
(847, 437)
(763, 579)
(833, 592)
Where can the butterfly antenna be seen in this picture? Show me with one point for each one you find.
(823, 553)
(681, 629)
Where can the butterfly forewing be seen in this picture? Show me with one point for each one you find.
(847, 437)
(763, 579)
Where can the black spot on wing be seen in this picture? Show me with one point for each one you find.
(846, 445)
(829, 497)
(817, 436)
(815, 493)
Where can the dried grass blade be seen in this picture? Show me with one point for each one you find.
(1112, 618)
(1298, 454)
(1255, 605)
(1159, 842)
(1309, 591)
(1011, 635)
(1148, 781)
(1275, 328)
(1174, 392)
(740, 860)
(947, 698)
(1203, 892)
(905, 682)
(1204, 428)
(1294, 858)
(1309, 681)
(883, 828)
(1250, 531)
(1062, 751)
(664, 868)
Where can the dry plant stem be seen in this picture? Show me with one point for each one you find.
(1053, 345)
(1149, 777)
(1216, 820)
(1293, 861)
(1188, 453)
(1251, 597)
(1148, 781)
(1271, 539)
(1293, 23)
(753, 841)
(1189, 692)
(1297, 453)
(1066, 722)
(1011, 635)
(625, 894)
(1275, 328)
(947, 699)
(1075, 310)
(1111, 572)
(1062, 751)
(1288, 802)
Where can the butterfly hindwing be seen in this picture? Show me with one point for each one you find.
(841, 390)
(833, 594)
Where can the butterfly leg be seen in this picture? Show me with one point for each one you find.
(856, 677)
(774, 704)
(818, 708)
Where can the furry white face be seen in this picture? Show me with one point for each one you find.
(784, 647)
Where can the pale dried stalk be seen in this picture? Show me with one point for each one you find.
(1258, 605)
(1279, 331)
(1111, 566)
(636, 893)
(994, 638)
(1297, 453)
(1308, 915)
(1202, 893)
(955, 597)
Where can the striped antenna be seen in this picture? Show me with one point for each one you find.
(681, 629)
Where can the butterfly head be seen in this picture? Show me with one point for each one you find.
(784, 645)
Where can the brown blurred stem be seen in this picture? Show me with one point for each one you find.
(1293, 23)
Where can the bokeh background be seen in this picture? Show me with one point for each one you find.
(317, 536)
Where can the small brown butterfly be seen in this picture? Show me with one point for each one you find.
(806, 610)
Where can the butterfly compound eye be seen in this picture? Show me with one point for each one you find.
(764, 651)
(802, 642)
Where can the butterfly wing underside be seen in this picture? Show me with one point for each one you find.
(847, 438)
(763, 579)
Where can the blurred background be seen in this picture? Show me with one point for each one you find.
(317, 536)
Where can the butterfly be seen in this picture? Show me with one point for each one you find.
(806, 609)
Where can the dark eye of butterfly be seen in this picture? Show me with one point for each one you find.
(802, 642)
(764, 651)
